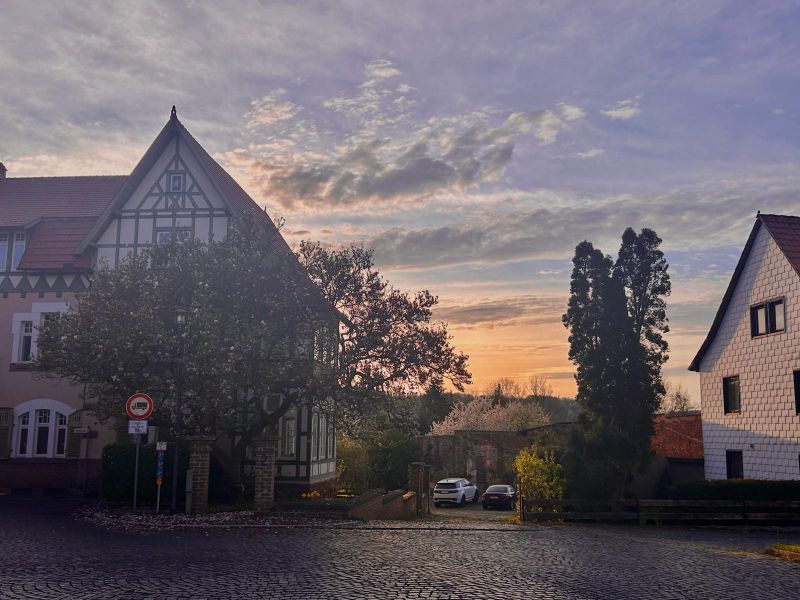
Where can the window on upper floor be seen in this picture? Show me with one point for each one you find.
(3, 251)
(19, 249)
(731, 396)
(167, 234)
(769, 317)
(25, 341)
(797, 392)
(734, 463)
(176, 182)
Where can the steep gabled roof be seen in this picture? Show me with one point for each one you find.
(785, 230)
(25, 199)
(238, 201)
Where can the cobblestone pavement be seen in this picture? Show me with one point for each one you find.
(45, 554)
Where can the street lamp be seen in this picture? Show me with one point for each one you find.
(180, 326)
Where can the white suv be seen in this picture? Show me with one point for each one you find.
(454, 491)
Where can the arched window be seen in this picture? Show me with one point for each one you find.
(41, 429)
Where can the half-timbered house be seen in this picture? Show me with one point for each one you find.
(53, 232)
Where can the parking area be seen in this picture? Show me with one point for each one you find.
(471, 512)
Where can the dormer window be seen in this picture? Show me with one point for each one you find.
(769, 317)
(3, 251)
(19, 249)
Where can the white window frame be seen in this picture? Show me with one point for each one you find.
(288, 447)
(331, 439)
(3, 251)
(25, 339)
(315, 436)
(323, 437)
(19, 236)
(38, 309)
(56, 410)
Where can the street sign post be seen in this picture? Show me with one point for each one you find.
(137, 428)
(138, 407)
(161, 447)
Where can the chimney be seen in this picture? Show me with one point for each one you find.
(3, 171)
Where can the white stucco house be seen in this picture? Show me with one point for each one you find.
(749, 363)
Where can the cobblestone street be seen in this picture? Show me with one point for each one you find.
(48, 555)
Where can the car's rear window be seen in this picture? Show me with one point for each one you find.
(446, 486)
(497, 488)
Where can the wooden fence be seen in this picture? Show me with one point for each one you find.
(662, 511)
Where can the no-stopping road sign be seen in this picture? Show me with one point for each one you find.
(139, 406)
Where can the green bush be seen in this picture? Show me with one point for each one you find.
(351, 465)
(539, 475)
(118, 468)
(388, 455)
(738, 489)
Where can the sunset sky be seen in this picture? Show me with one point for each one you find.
(471, 144)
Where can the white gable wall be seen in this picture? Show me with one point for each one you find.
(767, 430)
(151, 207)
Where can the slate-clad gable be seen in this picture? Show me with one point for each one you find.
(764, 426)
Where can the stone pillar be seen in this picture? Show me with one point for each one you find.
(199, 460)
(265, 449)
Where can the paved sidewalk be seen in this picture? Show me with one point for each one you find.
(48, 555)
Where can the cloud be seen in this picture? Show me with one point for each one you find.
(453, 154)
(570, 112)
(515, 230)
(590, 153)
(623, 110)
(271, 109)
(496, 312)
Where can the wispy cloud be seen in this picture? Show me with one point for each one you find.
(590, 153)
(623, 110)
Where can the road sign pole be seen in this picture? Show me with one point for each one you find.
(161, 447)
(136, 473)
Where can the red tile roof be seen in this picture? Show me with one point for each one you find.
(679, 436)
(51, 244)
(59, 212)
(25, 199)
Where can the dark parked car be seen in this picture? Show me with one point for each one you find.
(499, 496)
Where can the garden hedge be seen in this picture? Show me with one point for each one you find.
(738, 489)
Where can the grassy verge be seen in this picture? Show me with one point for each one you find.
(790, 551)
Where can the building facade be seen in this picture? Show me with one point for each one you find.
(53, 232)
(749, 363)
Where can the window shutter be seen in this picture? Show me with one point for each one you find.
(6, 419)
(73, 448)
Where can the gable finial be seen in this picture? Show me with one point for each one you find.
(174, 113)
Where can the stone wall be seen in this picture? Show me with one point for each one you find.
(483, 456)
(767, 430)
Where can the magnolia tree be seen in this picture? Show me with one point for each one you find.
(252, 318)
(484, 413)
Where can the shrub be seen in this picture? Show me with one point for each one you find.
(738, 489)
(388, 455)
(118, 468)
(351, 465)
(539, 475)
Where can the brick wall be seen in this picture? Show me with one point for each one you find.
(767, 430)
